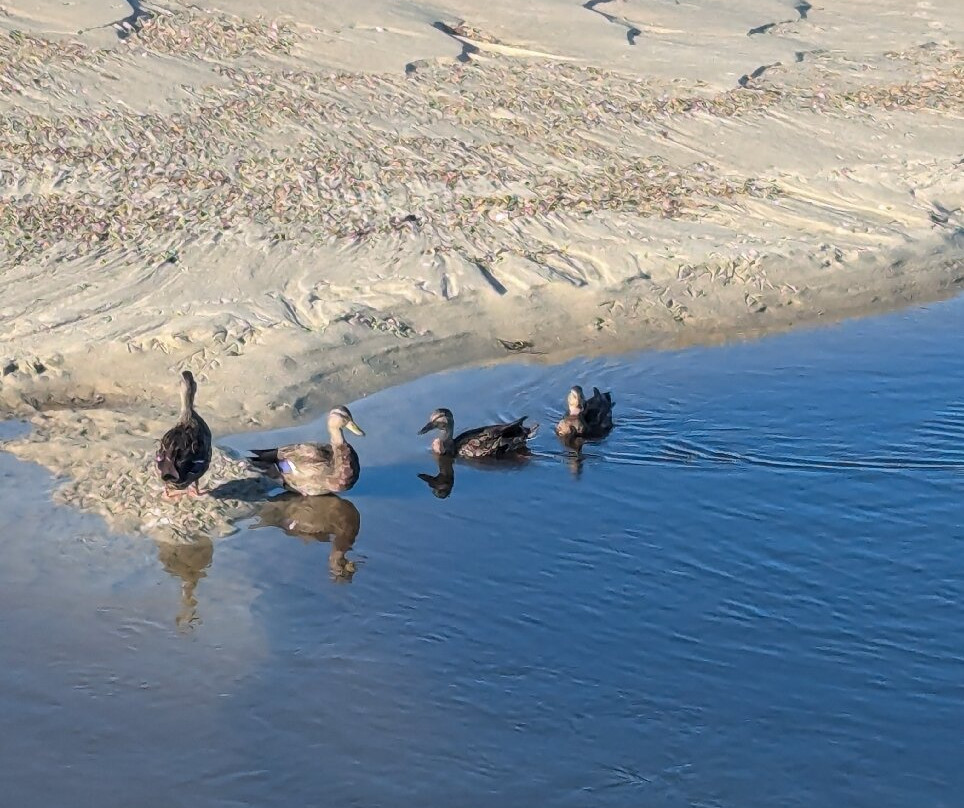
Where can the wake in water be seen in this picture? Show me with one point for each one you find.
(652, 433)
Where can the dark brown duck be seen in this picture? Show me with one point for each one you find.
(495, 440)
(589, 419)
(184, 453)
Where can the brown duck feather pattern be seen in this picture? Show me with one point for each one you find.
(594, 422)
(184, 453)
(311, 469)
(494, 440)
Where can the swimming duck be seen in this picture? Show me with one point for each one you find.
(588, 419)
(496, 440)
(184, 453)
(313, 469)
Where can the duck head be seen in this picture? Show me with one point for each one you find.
(340, 418)
(441, 419)
(576, 401)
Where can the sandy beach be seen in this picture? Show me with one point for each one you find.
(304, 203)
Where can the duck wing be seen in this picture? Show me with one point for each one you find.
(494, 439)
(599, 411)
(287, 459)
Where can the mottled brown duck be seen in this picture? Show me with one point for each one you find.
(184, 453)
(495, 440)
(314, 469)
(587, 419)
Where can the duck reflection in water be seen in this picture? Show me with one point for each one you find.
(324, 519)
(189, 562)
(574, 457)
(441, 483)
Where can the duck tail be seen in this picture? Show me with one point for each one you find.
(531, 430)
(263, 459)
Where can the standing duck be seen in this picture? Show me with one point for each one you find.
(313, 469)
(496, 440)
(184, 453)
(586, 419)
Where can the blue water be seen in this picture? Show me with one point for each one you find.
(749, 595)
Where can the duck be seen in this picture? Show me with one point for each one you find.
(314, 469)
(184, 453)
(587, 419)
(495, 440)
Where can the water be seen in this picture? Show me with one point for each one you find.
(749, 595)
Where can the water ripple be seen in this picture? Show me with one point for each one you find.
(687, 452)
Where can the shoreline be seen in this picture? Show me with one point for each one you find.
(101, 451)
(306, 209)
(418, 340)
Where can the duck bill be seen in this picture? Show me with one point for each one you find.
(352, 427)
(427, 428)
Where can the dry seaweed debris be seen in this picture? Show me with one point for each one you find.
(202, 34)
(295, 155)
